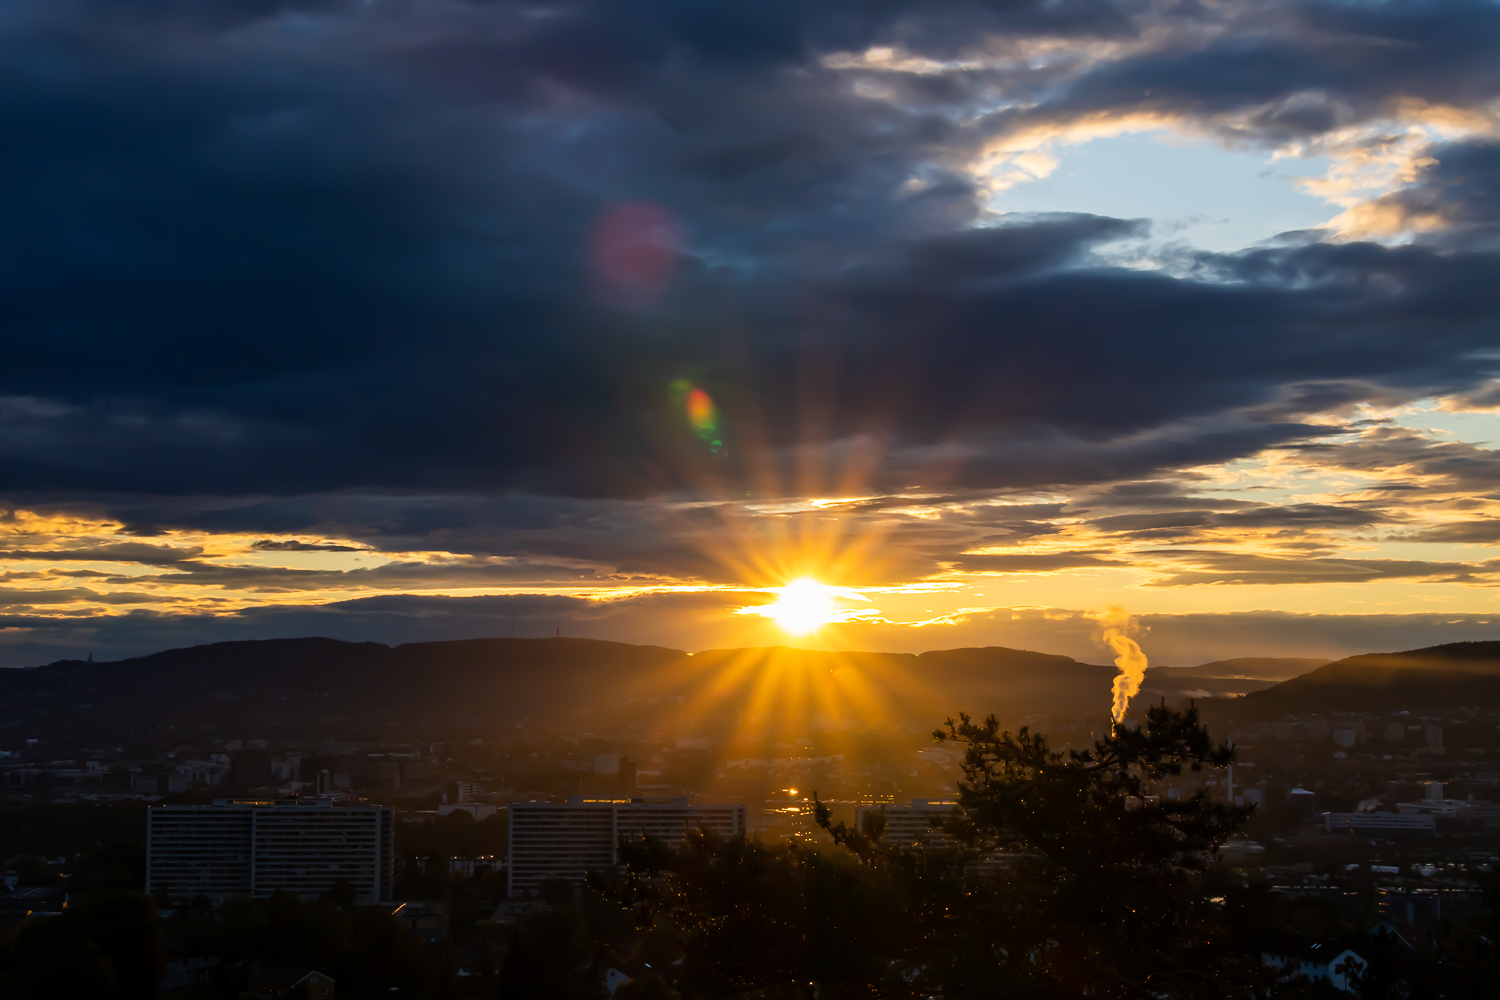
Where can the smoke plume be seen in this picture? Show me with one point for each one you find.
(1128, 658)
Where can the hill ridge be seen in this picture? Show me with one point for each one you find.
(318, 687)
(1455, 673)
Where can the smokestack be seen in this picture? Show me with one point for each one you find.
(1129, 659)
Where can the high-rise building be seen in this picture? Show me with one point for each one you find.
(906, 825)
(240, 847)
(566, 840)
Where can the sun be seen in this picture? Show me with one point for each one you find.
(804, 606)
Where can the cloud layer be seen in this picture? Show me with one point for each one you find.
(305, 303)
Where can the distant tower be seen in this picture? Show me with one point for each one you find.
(91, 656)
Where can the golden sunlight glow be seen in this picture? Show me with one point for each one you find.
(803, 606)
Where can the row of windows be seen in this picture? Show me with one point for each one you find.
(555, 841)
(240, 851)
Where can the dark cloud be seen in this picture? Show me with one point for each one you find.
(1302, 515)
(451, 572)
(1442, 465)
(1171, 498)
(1244, 568)
(1149, 522)
(980, 259)
(1307, 515)
(1296, 71)
(1034, 562)
(366, 269)
(16, 598)
(1483, 532)
(126, 552)
(1455, 198)
(292, 545)
(322, 269)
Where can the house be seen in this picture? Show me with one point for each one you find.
(470, 866)
(1404, 933)
(1318, 961)
(614, 979)
(187, 971)
(620, 973)
(428, 921)
(285, 983)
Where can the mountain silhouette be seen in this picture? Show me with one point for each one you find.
(316, 688)
(1457, 673)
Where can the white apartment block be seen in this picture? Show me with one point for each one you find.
(1380, 823)
(906, 825)
(239, 847)
(566, 840)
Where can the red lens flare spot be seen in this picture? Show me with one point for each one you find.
(700, 412)
(702, 415)
(633, 254)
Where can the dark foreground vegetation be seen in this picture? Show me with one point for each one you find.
(1062, 876)
(1065, 879)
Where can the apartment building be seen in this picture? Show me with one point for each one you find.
(566, 840)
(242, 847)
(1381, 824)
(906, 825)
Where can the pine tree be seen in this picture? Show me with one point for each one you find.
(1070, 879)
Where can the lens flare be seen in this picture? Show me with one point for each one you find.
(634, 251)
(702, 415)
(805, 605)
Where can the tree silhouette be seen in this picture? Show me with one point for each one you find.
(550, 955)
(1069, 879)
(106, 946)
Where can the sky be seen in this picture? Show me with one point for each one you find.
(420, 319)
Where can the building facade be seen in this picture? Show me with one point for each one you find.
(566, 840)
(1380, 824)
(909, 825)
(238, 847)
